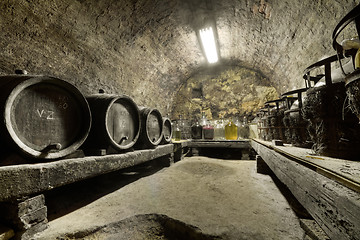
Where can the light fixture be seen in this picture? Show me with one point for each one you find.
(209, 45)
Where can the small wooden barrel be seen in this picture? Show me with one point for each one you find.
(116, 122)
(167, 131)
(151, 127)
(43, 117)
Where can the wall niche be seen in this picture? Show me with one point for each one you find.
(223, 92)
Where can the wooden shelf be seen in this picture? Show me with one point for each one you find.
(220, 144)
(327, 187)
(27, 179)
(345, 172)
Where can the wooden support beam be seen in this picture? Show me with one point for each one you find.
(261, 166)
(220, 144)
(334, 206)
(28, 179)
(179, 148)
(26, 216)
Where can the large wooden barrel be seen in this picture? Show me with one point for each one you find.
(116, 122)
(167, 131)
(43, 117)
(151, 127)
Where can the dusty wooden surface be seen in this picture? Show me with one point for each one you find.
(334, 206)
(27, 179)
(344, 171)
(220, 144)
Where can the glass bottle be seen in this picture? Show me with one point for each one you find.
(180, 122)
(177, 132)
(203, 122)
(238, 125)
(219, 130)
(245, 132)
(208, 131)
(231, 131)
(196, 130)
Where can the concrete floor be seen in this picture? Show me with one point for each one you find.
(207, 198)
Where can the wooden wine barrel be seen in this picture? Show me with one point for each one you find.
(151, 127)
(167, 131)
(43, 117)
(116, 122)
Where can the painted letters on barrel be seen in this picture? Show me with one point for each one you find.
(44, 117)
(116, 122)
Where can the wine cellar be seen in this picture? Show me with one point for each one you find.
(169, 119)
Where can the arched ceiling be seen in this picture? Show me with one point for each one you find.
(148, 48)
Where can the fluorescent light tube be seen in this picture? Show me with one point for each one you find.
(209, 45)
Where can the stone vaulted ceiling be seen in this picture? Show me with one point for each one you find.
(147, 49)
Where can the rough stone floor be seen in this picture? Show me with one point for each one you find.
(196, 198)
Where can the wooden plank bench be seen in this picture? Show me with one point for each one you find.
(328, 188)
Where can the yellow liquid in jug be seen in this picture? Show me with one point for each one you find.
(177, 135)
(231, 131)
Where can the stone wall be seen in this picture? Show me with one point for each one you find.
(224, 92)
(148, 49)
(137, 48)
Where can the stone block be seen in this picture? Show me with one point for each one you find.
(29, 233)
(33, 218)
(24, 214)
(31, 204)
